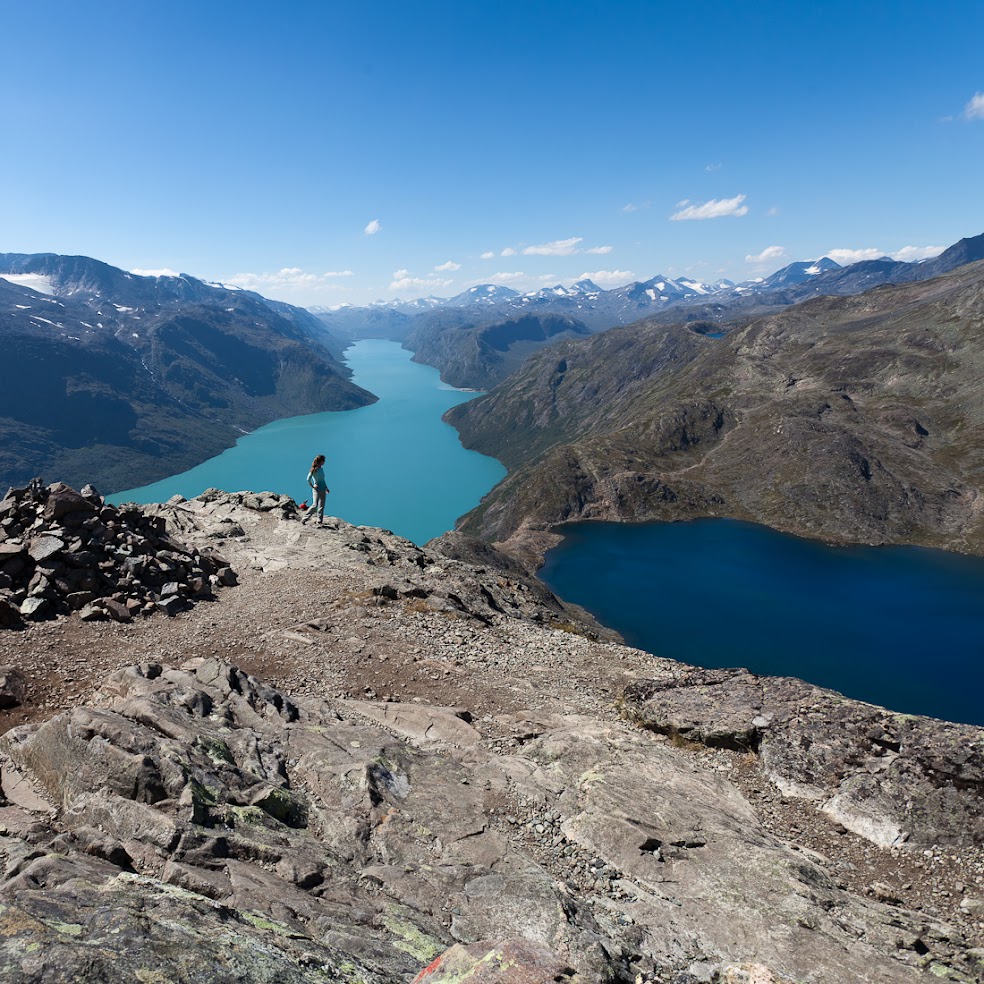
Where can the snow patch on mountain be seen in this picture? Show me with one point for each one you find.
(33, 281)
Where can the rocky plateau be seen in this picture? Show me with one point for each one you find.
(373, 762)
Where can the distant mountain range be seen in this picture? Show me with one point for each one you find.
(440, 330)
(600, 309)
(120, 380)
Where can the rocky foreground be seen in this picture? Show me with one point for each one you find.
(371, 762)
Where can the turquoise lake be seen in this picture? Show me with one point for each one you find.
(898, 626)
(394, 464)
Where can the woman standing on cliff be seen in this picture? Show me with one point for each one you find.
(316, 479)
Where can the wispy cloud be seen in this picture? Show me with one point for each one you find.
(713, 167)
(716, 208)
(163, 272)
(488, 255)
(974, 110)
(372, 228)
(448, 267)
(507, 278)
(847, 256)
(767, 254)
(909, 254)
(609, 276)
(559, 247)
(402, 280)
(288, 278)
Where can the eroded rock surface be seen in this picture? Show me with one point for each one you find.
(199, 822)
(491, 818)
(892, 778)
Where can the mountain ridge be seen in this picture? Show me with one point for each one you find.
(853, 419)
(667, 299)
(123, 380)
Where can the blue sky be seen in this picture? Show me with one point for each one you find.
(324, 153)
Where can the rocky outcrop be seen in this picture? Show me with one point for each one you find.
(892, 778)
(453, 574)
(65, 551)
(201, 825)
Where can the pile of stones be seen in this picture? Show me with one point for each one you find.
(64, 551)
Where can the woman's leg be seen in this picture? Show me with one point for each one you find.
(319, 498)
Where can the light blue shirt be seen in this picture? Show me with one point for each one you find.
(316, 479)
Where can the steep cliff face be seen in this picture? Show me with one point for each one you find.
(370, 761)
(853, 419)
(122, 380)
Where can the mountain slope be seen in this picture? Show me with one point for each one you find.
(480, 355)
(852, 419)
(121, 380)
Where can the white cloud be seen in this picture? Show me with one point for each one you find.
(974, 110)
(848, 256)
(508, 251)
(716, 208)
(559, 247)
(609, 276)
(448, 267)
(488, 256)
(163, 272)
(506, 278)
(713, 167)
(287, 278)
(372, 228)
(631, 207)
(403, 281)
(600, 249)
(769, 253)
(774, 210)
(909, 254)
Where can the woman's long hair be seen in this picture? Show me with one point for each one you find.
(318, 462)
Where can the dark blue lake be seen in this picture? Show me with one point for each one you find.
(902, 627)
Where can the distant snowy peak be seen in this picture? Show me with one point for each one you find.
(663, 288)
(416, 305)
(585, 287)
(798, 273)
(483, 294)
